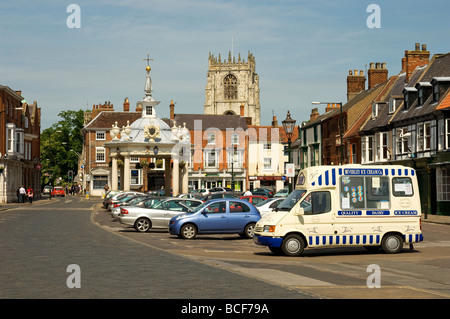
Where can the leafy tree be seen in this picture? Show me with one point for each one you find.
(57, 143)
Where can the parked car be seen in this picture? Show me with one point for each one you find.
(129, 201)
(143, 219)
(282, 192)
(218, 216)
(108, 196)
(203, 191)
(191, 195)
(254, 199)
(217, 195)
(58, 191)
(268, 205)
(120, 197)
(47, 190)
(262, 192)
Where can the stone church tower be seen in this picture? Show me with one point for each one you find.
(232, 87)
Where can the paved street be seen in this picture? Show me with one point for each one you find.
(39, 241)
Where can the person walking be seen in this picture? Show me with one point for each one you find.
(248, 193)
(22, 194)
(30, 195)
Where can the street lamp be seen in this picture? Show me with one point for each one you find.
(288, 125)
(341, 128)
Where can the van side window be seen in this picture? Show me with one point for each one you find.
(370, 192)
(316, 203)
(402, 187)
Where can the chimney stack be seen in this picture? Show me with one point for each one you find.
(356, 82)
(172, 110)
(126, 105)
(274, 121)
(415, 58)
(314, 115)
(377, 74)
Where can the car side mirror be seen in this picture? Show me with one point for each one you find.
(298, 211)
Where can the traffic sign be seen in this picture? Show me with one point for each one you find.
(290, 170)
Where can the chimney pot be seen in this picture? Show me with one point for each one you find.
(417, 46)
(424, 47)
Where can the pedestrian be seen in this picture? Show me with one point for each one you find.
(30, 195)
(22, 193)
(248, 193)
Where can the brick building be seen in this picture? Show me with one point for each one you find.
(20, 125)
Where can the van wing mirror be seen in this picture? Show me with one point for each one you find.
(298, 211)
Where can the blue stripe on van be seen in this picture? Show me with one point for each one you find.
(333, 176)
(320, 180)
(327, 180)
(393, 172)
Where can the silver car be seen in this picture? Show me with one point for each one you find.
(143, 219)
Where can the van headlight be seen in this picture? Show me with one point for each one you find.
(269, 229)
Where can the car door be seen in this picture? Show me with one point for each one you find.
(213, 218)
(318, 218)
(173, 208)
(238, 216)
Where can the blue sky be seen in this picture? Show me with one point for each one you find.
(303, 49)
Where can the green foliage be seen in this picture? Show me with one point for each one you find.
(57, 142)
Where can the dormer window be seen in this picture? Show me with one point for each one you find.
(436, 92)
(392, 105)
(420, 97)
(374, 110)
(409, 95)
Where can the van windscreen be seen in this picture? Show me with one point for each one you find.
(291, 200)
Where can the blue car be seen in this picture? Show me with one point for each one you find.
(217, 216)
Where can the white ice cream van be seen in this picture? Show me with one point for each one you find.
(348, 205)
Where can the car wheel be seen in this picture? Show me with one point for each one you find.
(249, 231)
(188, 231)
(293, 245)
(392, 243)
(142, 224)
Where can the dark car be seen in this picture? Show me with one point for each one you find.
(254, 199)
(263, 192)
(217, 195)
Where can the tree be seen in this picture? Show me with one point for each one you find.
(57, 142)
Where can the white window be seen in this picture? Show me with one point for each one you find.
(381, 144)
(392, 106)
(149, 110)
(267, 145)
(374, 110)
(423, 136)
(267, 163)
(447, 134)
(100, 155)
(134, 159)
(441, 135)
(211, 138)
(136, 177)
(443, 185)
(235, 139)
(100, 135)
(235, 157)
(211, 159)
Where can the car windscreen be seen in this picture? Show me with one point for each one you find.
(291, 200)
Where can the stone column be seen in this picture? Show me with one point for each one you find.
(126, 172)
(175, 176)
(184, 180)
(114, 177)
(168, 176)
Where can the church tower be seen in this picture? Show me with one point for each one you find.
(232, 87)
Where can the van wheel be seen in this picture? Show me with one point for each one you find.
(293, 245)
(392, 243)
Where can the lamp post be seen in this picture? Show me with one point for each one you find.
(288, 125)
(341, 129)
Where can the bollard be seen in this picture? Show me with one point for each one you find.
(87, 195)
